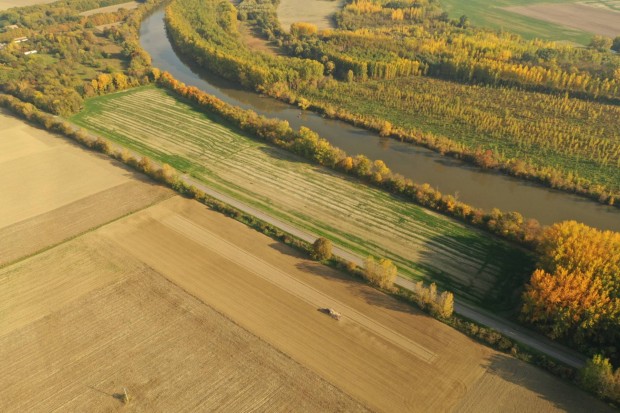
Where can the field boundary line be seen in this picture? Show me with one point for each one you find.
(72, 237)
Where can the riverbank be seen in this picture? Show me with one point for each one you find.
(484, 189)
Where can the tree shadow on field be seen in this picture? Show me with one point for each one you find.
(357, 287)
(118, 396)
(280, 154)
(562, 394)
(284, 249)
(479, 267)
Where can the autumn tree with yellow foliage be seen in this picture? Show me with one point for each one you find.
(574, 294)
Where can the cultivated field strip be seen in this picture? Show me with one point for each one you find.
(36, 287)
(586, 17)
(111, 9)
(317, 12)
(42, 231)
(341, 352)
(7, 4)
(362, 219)
(52, 190)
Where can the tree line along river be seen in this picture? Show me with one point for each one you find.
(482, 189)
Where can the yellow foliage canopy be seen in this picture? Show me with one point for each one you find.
(576, 291)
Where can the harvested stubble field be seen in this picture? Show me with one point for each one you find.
(192, 311)
(365, 220)
(52, 190)
(85, 320)
(317, 12)
(599, 20)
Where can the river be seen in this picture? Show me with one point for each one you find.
(482, 189)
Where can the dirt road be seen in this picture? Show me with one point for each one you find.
(515, 332)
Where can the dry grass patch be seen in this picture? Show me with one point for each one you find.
(111, 9)
(317, 12)
(599, 20)
(254, 41)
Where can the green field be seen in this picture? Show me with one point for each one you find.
(485, 13)
(424, 245)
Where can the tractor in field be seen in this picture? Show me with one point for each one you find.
(331, 312)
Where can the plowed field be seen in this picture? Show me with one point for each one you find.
(100, 321)
(599, 20)
(192, 311)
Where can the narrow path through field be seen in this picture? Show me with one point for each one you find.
(517, 333)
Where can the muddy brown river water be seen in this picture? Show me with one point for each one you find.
(478, 188)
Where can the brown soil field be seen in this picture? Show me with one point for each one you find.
(111, 9)
(599, 20)
(53, 190)
(382, 353)
(7, 4)
(317, 12)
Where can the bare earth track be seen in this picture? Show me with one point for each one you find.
(317, 12)
(603, 21)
